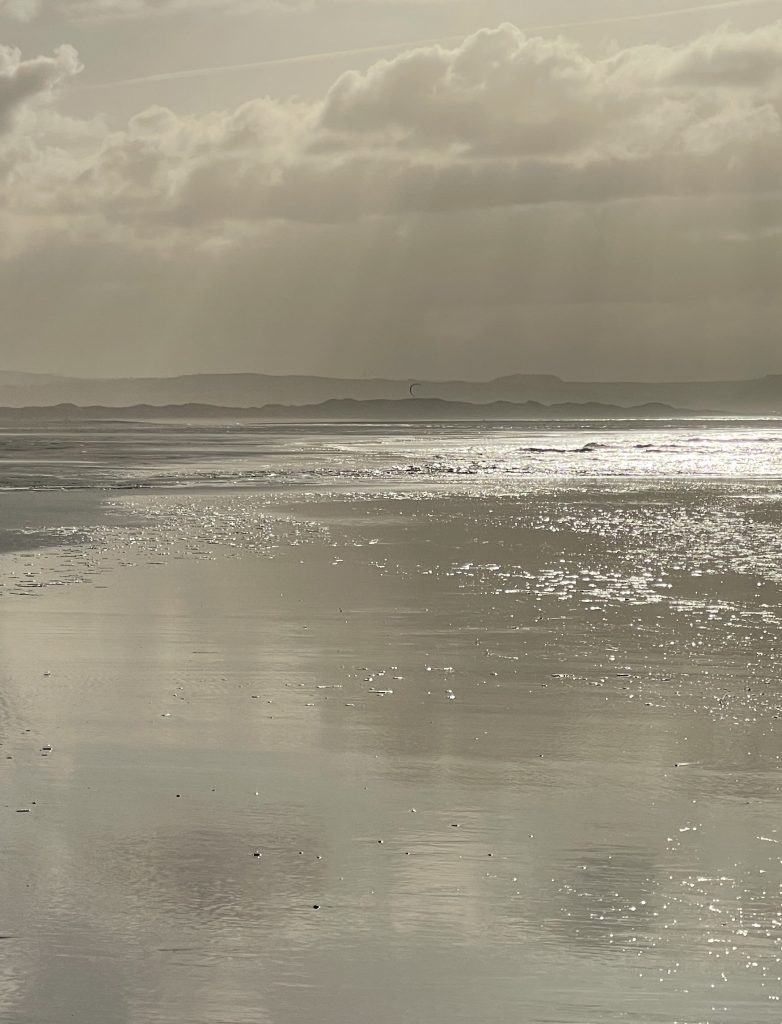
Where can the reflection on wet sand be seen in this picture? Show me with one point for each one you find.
(506, 757)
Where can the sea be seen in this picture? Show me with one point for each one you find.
(176, 455)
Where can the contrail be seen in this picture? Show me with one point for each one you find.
(367, 51)
(305, 58)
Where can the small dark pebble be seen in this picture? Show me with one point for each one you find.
(316, 906)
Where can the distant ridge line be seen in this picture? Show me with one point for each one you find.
(33, 375)
(756, 396)
(394, 410)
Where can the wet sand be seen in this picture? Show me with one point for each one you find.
(417, 757)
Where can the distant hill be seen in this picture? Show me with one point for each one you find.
(340, 410)
(762, 396)
(29, 380)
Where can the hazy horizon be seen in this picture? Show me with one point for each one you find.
(400, 379)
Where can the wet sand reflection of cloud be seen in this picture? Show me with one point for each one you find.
(535, 777)
(607, 899)
(196, 877)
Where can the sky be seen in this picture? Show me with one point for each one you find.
(405, 188)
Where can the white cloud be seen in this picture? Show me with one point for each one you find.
(729, 60)
(504, 119)
(25, 81)
(504, 93)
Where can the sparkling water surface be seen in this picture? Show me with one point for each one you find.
(179, 455)
(404, 724)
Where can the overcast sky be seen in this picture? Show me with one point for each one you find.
(440, 188)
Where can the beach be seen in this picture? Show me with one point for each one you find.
(390, 512)
(432, 743)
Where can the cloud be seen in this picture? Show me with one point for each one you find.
(449, 201)
(730, 61)
(504, 119)
(589, 291)
(503, 92)
(24, 81)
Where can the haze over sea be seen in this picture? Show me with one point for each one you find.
(430, 723)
